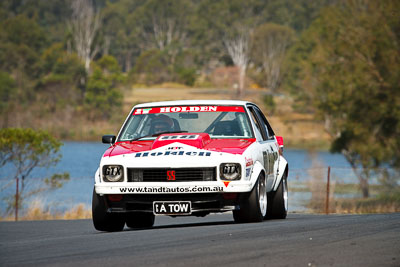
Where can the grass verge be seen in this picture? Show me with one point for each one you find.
(36, 212)
(381, 204)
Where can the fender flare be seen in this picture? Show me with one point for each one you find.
(97, 176)
(257, 169)
(283, 165)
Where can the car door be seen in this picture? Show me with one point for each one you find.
(268, 145)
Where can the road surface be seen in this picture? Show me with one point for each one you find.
(300, 240)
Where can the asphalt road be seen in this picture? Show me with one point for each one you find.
(300, 240)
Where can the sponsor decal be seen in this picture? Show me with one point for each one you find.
(248, 171)
(226, 184)
(179, 137)
(230, 169)
(160, 189)
(172, 153)
(174, 148)
(249, 162)
(188, 109)
(178, 109)
(143, 111)
(171, 175)
(113, 170)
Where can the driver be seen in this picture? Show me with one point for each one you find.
(162, 123)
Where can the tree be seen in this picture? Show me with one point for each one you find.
(7, 93)
(84, 25)
(25, 150)
(226, 27)
(120, 31)
(218, 20)
(163, 25)
(269, 44)
(61, 86)
(21, 42)
(350, 60)
(103, 96)
(296, 14)
(50, 15)
(163, 22)
(238, 50)
(153, 67)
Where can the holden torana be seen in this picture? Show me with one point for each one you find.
(190, 158)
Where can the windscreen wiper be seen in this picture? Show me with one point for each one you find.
(154, 135)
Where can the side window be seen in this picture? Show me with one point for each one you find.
(265, 124)
(257, 121)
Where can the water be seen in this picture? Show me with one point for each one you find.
(81, 160)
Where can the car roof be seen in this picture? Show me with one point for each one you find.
(194, 102)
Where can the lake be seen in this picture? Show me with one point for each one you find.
(81, 160)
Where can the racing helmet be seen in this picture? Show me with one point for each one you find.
(162, 123)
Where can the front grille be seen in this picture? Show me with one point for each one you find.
(171, 175)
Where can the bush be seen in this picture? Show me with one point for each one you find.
(157, 67)
(151, 68)
(103, 95)
(269, 104)
(7, 92)
(186, 76)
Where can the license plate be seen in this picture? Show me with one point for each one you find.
(172, 207)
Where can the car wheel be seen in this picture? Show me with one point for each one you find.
(102, 220)
(278, 201)
(139, 219)
(253, 208)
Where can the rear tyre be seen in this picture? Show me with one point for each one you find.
(253, 208)
(278, 201)
(139, 220)
(102, 220)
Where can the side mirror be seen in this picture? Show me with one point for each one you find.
(108, 139)
(279, 140)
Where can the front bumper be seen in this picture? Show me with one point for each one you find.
(174, 187)
(202, 204)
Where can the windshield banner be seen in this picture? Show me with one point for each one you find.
(177, 109)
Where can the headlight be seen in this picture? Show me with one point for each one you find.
(230, 171)
(113, 173)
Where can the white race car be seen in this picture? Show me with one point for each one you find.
(183, 158)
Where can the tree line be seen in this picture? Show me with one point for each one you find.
(77, 55)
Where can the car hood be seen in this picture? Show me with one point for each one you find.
(173, 141)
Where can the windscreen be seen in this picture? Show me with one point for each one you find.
(217, 121)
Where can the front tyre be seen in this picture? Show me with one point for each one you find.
(102, 220)
(254, 208)
(278, 201)
(139, 220)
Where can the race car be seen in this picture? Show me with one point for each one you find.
(190, 158)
